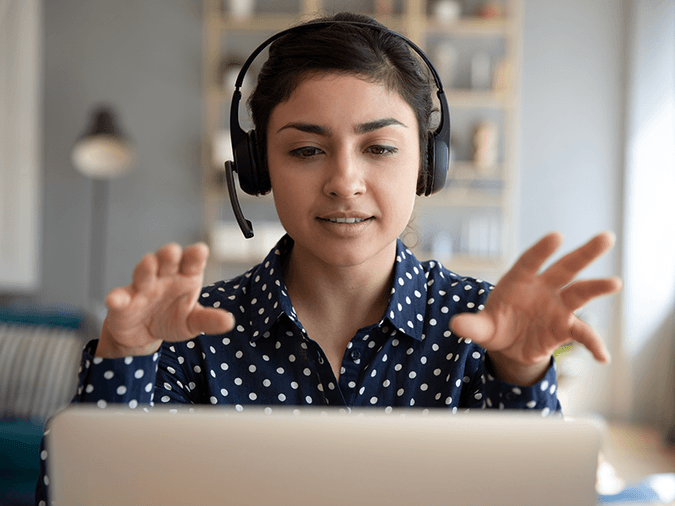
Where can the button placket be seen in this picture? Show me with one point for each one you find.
(331, 389)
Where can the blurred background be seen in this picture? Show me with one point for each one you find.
(563, 119)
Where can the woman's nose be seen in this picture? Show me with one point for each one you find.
(345, 177)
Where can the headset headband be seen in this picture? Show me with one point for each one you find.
(322, 24)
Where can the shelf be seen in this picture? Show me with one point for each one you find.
(218, 93)
(277, 22)
(270, 22)
(465, 197)
(469, 192)
(465, 27)
(475, 99)
(466, 172)
(463, 264)
(470, 27)
(457, 98)
(217, 188)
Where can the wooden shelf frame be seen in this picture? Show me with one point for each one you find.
(414, 22)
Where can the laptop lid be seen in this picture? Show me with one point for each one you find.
(319, 457)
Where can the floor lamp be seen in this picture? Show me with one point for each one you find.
(102, 153)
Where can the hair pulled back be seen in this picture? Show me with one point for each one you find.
(374, 54)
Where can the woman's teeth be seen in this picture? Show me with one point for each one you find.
(346, 220)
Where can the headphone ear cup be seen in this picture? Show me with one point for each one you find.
(242, 163)
(435, 171)
(439, 164)
(259, 173)
(252, 179)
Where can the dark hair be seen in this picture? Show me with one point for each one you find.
(376, 54)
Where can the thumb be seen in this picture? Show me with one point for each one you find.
(475, 326)
(210, 320)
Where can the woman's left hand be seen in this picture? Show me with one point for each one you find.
(528, 314)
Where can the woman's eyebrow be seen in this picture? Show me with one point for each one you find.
(309, 128)
(371, 126)
(361, 128)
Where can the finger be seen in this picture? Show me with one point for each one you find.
(194, 259)
(118, 298)
(583, 333)
(531, 261)
(565, 270)
(210, 320)
(145, 273)
(580, 293)
(475, 326)
(168, 259)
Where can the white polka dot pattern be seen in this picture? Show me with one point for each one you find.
(409, 358)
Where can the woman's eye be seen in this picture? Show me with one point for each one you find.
(382, 150)
(306, 152)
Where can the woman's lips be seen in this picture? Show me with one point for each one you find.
(346, 226)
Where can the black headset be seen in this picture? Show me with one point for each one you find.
(254, 180)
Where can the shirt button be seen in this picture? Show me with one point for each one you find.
(356, 354)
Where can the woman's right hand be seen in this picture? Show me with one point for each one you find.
(160, 304)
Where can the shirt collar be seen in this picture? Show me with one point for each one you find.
(408, 301)
(268, 290)
(405, 311)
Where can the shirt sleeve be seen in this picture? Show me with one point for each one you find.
(126, 381)
(129, 380)
(175, 384)
(485, 391)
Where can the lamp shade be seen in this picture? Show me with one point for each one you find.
(103, 152)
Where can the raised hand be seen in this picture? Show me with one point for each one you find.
(160, 304)
(529, 314)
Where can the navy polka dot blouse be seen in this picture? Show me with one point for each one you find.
(410, 358)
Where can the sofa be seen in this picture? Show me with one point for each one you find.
(40, 349)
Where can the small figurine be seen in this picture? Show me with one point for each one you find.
(485, 147)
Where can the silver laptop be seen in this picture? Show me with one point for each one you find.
(320, 458)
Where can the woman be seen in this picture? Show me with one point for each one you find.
(340, 313)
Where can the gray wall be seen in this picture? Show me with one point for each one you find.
(144, 59)
(571, 154)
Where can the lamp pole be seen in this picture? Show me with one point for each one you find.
(97, 248)
(101, 153)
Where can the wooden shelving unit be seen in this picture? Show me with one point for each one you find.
(472, 192)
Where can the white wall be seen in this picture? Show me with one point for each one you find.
(649, 234)
(20, 144)
(571, 152)
(598, 152)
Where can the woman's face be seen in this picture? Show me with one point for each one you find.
(343, 157)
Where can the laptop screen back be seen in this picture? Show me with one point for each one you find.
(313, 457)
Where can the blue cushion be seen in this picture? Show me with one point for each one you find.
(19, 460)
